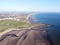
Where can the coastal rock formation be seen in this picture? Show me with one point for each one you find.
(25, 37)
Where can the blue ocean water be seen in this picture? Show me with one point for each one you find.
(52, 19)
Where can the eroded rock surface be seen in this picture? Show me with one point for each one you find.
(25, 37)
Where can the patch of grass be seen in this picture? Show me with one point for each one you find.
(7, 24)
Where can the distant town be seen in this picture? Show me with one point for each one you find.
(14, 16)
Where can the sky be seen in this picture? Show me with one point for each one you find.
(30, 5)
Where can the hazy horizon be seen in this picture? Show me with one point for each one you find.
(30, 5)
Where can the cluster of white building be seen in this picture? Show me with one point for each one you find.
(10, 19)
(16, 17)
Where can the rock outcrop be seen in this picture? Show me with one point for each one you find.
(25, 37)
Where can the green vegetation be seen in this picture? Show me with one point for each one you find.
(7, 24)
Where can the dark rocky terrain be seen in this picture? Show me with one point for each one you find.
(31, 36)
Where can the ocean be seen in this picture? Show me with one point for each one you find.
(52, 19)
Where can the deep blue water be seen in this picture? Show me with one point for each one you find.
(52, 19)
